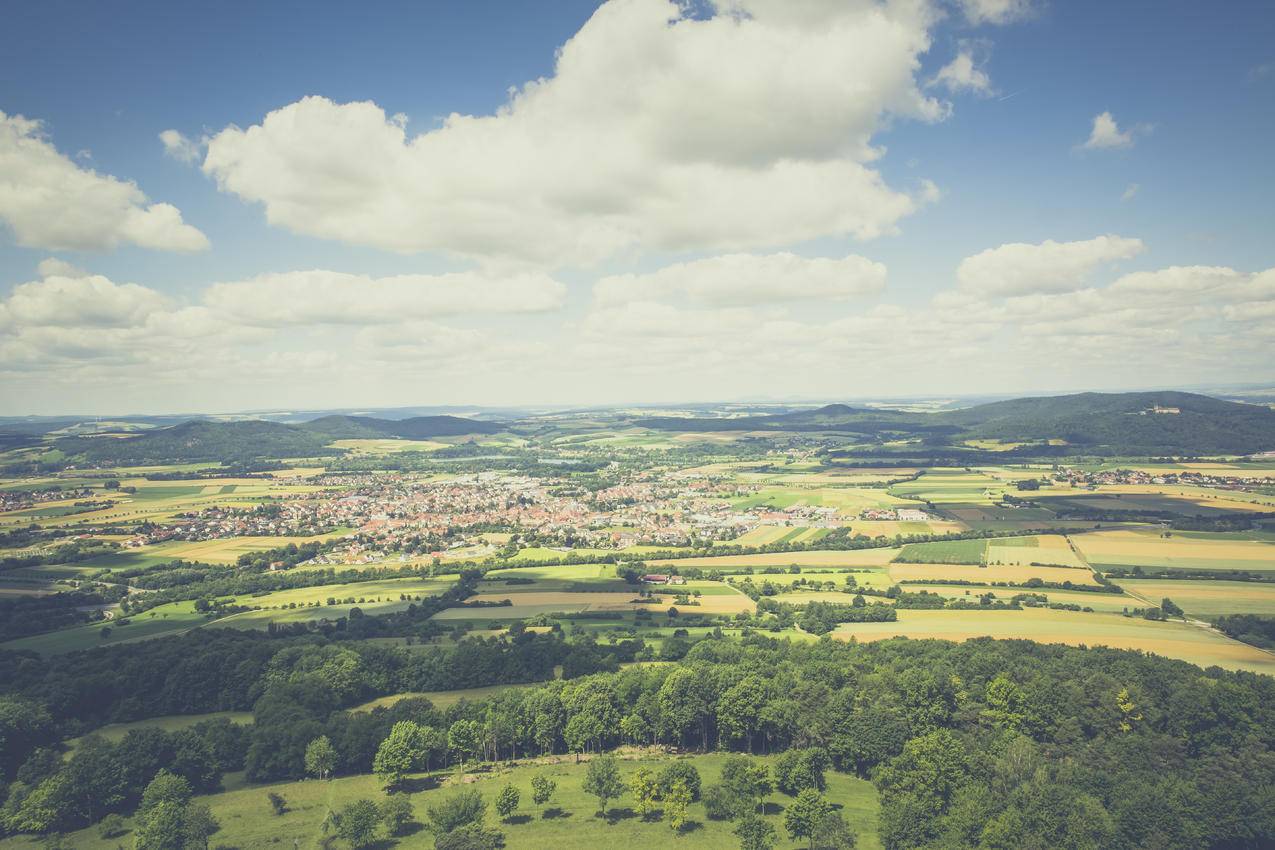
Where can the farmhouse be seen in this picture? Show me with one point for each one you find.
(658, 578)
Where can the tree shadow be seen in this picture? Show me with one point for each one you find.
(555, 812)
(769, 808)
(410, 828)
(417, 784)
(689, 827)
(518, 819)
(614, 815)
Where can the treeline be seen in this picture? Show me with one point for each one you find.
(993, 744)
(1249, 628)
(21, 616)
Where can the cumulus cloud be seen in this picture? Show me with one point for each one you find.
(996, 11)
(327, 297)
(180, 148)
(736, 279)
(1106, 134)
(657, 130)
(1130, 192)
(66, 298)
(50, 202)
(962, 74)
(1021, 269)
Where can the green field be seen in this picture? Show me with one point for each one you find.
(945, 552)
(169, 723)
(248, 824)
(1208, 598)
(168, 619)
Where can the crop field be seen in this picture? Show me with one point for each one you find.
(762, 535)
(1208, 598)
(942, 486)
(1104, 602)
(893, 528)
(801, 597)
(531, 603)
(248, 824)
(556, 578)
(1148, 548)
(1173, 639)
(946, 552)
(1050, 549)
(988, 574)
(830, 558)
(849, 500)
(387, 446)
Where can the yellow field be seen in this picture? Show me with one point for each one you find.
(529, 604)
(1050, 549)
(801, 597)
(387, 446)
(1148, 548)
(988, 574)
(1172, 639)
(851, 558)
(1207, 598)
(1109, 602)
(225, 551)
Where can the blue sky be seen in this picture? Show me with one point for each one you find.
(652, 165)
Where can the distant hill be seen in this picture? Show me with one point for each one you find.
(1100, 423)
(198, 441)
(416, 428)
(1125, 423)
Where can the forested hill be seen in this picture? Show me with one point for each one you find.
(1125, 423)
(416, 428)
(1101, 423)
(199, 441)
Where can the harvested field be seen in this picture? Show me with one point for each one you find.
(1208, 598)
(830, 558)
(1172, 639)
(989, 574)
(1149, 548)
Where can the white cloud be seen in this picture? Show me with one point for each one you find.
(180, 148)
(1130, 192)
(962, 74)
(996, 11)
(1106, 134)
(657, 130)
(326, 297)
(737, 279)
(50, 202)
(1021, 269)
(81, 301)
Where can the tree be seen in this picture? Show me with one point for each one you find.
(680, 771)
(602, 780)
(805, 813)
(160, 826)
(797, 770)
(465, 738)
(320, 757)
(356, 823)
(542, 788)
(112, 826)
(400, 753)
(832, 833)
(463, 808)
(1170, 607)
(397, 813)
(198, 825)
(746, 779)
(472, 837)
(278, 804)
(645, 791)
(507, 802)
(165, 788)
(754, 833)
(677, 801)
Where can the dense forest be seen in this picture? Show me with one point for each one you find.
(993, 744)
